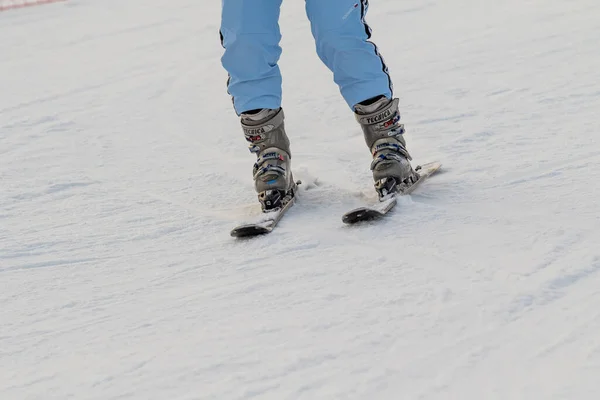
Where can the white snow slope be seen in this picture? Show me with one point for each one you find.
(123, 168)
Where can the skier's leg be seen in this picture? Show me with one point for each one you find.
(342, 39)
(250, 35)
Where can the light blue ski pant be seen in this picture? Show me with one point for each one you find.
(250, 35)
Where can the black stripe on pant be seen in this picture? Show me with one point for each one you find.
(364, 4)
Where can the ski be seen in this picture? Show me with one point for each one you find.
(383, 206)
(267, 221)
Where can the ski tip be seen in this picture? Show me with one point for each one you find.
(245, 231)
(361, 215)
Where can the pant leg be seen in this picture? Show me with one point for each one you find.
(342, 39)
(250, 35)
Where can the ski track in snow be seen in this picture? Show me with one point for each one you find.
(123, 168)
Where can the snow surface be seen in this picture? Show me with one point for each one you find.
(123, 168)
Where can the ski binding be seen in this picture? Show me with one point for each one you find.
(389, 201)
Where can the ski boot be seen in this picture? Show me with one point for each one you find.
(380, 121)
(264, 130)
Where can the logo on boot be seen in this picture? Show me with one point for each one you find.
(379, 117)
(257, 131)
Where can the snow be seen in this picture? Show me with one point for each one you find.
(15, 4)
(123, 168)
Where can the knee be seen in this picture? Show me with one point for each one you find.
(250, 53)
(333, 44)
